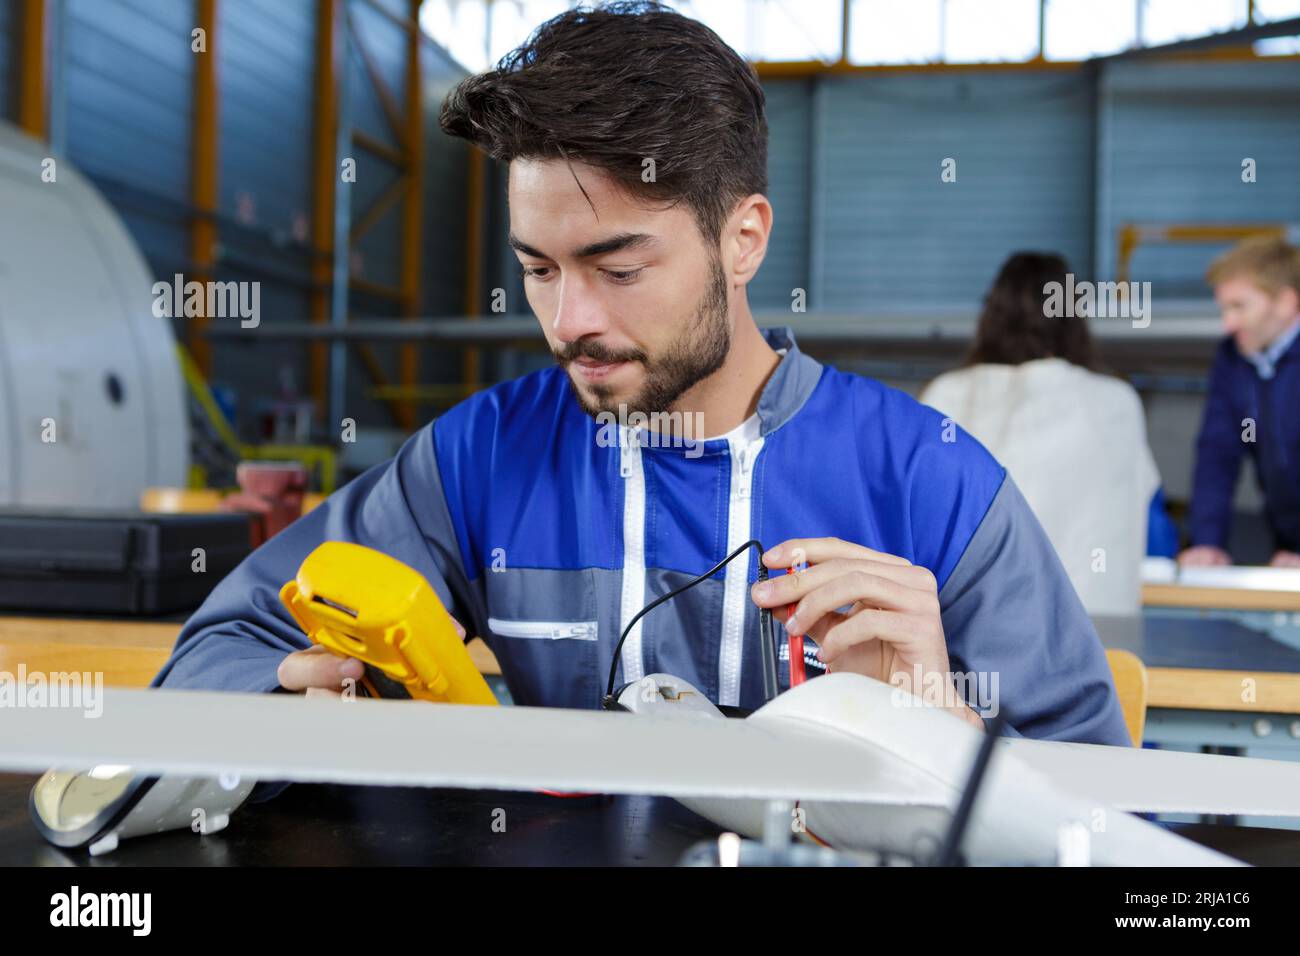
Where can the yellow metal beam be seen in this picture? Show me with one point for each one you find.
(797, 69)
(375, 289)
(410, 25)
(379, 148)
(1132, 234)
(34, 75)
(386, 99)
(809, 68)
(375, 369)
(366, 221)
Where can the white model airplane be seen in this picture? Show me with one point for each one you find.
(867, 770)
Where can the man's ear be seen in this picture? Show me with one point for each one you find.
(1289, 301)
(747, 232)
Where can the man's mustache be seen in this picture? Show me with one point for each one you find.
(596, 352)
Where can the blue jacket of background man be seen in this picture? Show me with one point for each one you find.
(1238, 396)
(544, 538)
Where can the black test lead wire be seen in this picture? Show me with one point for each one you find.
(766, 646)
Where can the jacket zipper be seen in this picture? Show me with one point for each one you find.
(633, 595)
(735, 592)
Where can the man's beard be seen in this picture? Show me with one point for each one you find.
(696, 356)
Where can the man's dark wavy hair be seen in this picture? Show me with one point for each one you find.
(614, 85)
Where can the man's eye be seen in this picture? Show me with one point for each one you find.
(537, 272)
(621, 278)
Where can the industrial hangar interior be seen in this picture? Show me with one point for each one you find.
(720, 433)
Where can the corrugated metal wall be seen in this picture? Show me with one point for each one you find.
(378, 254)
(883, 229)
(380, 249)
(790, 133)
(889, 226)
(127, 80)
(865, 222)
(1173, 137)
(445, 174)
(127, 76)
(265, 69)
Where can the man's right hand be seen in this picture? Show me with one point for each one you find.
(322, 673)
(319, 671)
(1204, 556)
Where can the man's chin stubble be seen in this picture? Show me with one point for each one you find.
(601, 400)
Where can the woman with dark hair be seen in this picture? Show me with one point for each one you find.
(1015, 325)
(1073, 439)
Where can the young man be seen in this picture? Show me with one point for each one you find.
(1253, 404)
(636, 144)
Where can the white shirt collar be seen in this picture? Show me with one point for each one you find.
(1265, 360)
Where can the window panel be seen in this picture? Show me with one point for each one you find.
(729, 19)
(798, 29)
(885, 31)
(513, 22)
(1079, 29)
(1266, 10)
(978, 31)
(1166, 21)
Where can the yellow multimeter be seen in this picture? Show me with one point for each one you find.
(361, 603)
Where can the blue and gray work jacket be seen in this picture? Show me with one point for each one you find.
(545, 537)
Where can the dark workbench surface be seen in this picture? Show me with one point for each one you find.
(328, 825)
(1198, 643)
(331, 825)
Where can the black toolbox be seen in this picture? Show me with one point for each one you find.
(120, 562)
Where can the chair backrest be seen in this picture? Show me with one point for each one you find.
(1130, 676)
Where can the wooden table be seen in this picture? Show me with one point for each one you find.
(1220, 598)
(128, 652)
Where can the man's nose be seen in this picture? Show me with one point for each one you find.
(578, 311)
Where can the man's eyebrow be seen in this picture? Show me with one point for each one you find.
(519, 245)
(618, 243)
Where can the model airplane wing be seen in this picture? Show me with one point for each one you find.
(1165, 781)
(869, 769)
(283, 737)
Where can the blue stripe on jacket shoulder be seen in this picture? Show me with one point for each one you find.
(870, 464)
